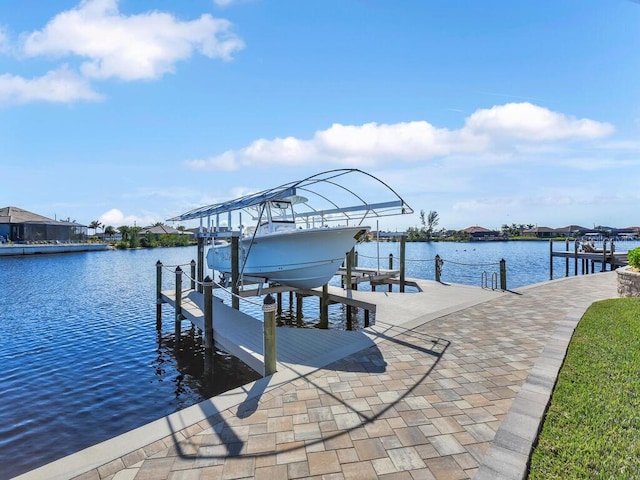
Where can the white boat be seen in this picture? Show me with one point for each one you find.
(301, 249)
(280, 252)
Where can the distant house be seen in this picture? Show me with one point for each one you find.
(480, 233)
(163, 230)
(572, 231)
(18, 225)
(542, 232)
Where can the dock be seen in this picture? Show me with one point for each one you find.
(584, 261)
(241, 334)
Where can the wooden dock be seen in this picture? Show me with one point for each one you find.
(585, 261)
(241, 335)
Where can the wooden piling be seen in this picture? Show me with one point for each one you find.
(566, 260)
(550, 259)
(503, 274)
(279, 306)
(350, 260)
(299, 299)
(208, 325)
(391, 268)
(324, 308)
(178, 317)
(200, 255)
(158, 295)
(437, 268)
(193, 274)
(269, 308)
(235, 273)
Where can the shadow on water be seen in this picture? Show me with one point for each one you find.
(228, 372)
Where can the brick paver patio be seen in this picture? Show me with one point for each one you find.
(424, 403)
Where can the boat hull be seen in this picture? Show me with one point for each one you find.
(298, 258)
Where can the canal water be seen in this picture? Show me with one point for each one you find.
(82, 360)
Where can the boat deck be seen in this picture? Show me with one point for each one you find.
(300, 349)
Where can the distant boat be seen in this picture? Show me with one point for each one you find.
(304, 248)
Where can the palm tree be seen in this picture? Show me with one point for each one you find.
(124, 231)
(95, 225)
(109, 230)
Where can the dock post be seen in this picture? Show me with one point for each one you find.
(366, 318)
(349, 280)
(566, 259)
(324, 307)
(350, 260)
(403, 247)
(235, 300)
(290, 304)
(279, 304)
(178, 318)
(158, 295)
(299, 309)
(269, 308)
(200, 262)
(437, 268)
(391, 268)
(604, 256)
(550, 259)
(208, 325)
(503, 275)
(193, 274)
(575, 258)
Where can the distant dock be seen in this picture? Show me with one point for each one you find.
(30, 249)
(585, 261)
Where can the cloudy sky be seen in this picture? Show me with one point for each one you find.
(486, 111)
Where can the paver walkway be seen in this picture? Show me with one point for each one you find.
(423, 403)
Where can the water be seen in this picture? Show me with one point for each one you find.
(83, 362)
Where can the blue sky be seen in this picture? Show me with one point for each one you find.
(488, 112)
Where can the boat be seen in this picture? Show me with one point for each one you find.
(294, 242)
(279, 252)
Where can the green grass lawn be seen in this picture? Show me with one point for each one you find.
(592, 427)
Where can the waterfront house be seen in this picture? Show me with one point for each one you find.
(542, 232)
(480, 233)
(18, 225)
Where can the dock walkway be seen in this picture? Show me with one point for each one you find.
(450, 391)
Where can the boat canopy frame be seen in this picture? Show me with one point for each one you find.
(325, 188)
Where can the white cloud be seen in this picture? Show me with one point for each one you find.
(531, 123)
(134, 47)
(495, 135)
(116, 218)
(61, 85)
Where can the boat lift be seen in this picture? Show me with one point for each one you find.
(334, 197)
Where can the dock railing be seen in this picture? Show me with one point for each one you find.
(439, 266)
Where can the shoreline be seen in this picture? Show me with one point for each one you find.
(24, 250)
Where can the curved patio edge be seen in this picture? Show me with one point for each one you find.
(510, 451)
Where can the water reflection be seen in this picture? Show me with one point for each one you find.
(197, 373)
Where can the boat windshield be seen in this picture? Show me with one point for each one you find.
(282, 211)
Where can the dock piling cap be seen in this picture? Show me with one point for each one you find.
(269, 304)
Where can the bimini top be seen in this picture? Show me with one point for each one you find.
(343, 195)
